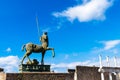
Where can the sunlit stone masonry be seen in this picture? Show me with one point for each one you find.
(80, 73)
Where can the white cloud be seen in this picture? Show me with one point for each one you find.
(9, 63)
(8, 50)
(115, 51)
(62, 67)
(69, 65)
(89, 10)
(111, 47)
(66, 56)
(110, 44)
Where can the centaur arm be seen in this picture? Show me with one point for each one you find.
(23, 47)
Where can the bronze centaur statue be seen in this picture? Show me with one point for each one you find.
(30, 47)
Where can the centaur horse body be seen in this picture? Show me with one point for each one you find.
(30, 47)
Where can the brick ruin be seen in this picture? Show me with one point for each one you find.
(80, 73)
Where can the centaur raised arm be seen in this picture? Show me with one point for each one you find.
(30, 47)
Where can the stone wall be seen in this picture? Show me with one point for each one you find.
(87, 73)
(2, 76)
(81, 73)
(91, 73)
(39, 76)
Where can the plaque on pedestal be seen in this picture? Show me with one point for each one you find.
(34, 68)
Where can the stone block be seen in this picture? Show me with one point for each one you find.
(2, 76)
(39, 76)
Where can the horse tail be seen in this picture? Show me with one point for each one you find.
(23, 47)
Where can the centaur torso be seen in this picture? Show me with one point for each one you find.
(44, 40)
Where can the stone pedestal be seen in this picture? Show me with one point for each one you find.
(34, 68)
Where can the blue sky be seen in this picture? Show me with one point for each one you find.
(79, 30)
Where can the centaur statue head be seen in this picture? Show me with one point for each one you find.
(30, 47)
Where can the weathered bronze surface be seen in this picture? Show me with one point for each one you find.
(30, 47)
(1, 69)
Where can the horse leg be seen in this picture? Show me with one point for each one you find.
(26, 55)
(29, 60)
(53, 52)
(42, 60)
(23, 58)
